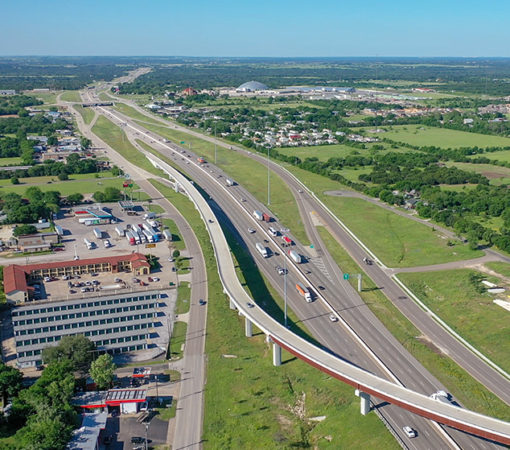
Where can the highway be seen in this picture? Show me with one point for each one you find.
(404, 367)
(491, 377)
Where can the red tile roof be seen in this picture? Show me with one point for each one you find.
(15, 275)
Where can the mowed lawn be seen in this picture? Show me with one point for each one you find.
(65, 188)
(117, 139)
(86, 113)
(133, 113)
(473, 315)
(71, 96)
(396, 240)
(324, 152)
(251, 174)
(422, 135)
(14, 161)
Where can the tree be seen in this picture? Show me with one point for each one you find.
(24, 229)
(102, 371)
(52, 140)
(63, 176)
(85, 143)
(99, 196)
(76, 348)
(176, 253)
(75, 199)
(10, 381)
(15, 180)
(45, 434)
(116, 171)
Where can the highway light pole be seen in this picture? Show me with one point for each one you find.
(215, 146)
(268, 183)
(285, 291)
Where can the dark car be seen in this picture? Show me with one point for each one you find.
(137, 440)
(202, 301)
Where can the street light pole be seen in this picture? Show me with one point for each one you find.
(285, 289)
(215, 146)
(268, 185)
(146, 432)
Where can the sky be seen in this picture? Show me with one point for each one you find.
(256, 28)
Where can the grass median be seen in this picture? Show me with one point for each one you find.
(465, 388)
(251, 404)
(87, 113)
(177, 340)
(117, 139)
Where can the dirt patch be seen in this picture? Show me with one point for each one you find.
(493, 175)
(425, 340)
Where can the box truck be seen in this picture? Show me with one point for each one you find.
(304, 292)
(230, 182)
(296, 257)
(98, 233)
(89, 244)
(262, 249)
(59, 230)
(258, 215)
(167, 235)
(119, 230)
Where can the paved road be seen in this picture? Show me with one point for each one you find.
(189, 415)
(408, 364)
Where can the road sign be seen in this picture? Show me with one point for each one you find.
(150, 245)
(183, 142)
(312, 246)
(346, 276)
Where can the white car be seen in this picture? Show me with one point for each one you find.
(409, 432)
(333, 318)
(251, 230)
(155, 279)
(106, 243)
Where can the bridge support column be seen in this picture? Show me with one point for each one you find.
(277, 355)
(232, 306)
(364, 402)
(248, 327)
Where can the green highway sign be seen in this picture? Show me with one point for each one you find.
(311, 246)
(346, 276)
(183, 142)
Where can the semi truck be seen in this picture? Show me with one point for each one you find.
(148, 236)
(304, 292)
(136, 236)
(167, 235)
(130, 238)
(201, 160)
(262, 249)
(98, 233)
(296, 257)
(258, 215)
(59, 230)
(119, 230)
(230, 182)
(287, 240)
(89, 244)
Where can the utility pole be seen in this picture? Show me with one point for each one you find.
(215, 145)
(268, 182)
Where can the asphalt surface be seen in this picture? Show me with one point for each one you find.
(404, 367)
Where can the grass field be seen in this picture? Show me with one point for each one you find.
(465, 388)
(499, 267)
(442, 137)
(82, 186)
(453, 298)
(14, 161)
(155, 209)
(86, 113)
(324, 152)
(117, 139)
(496, 174)
(71, 96)
(353, 173)
(49, 98)
(503, 156)
(396, 240)
(283, 203)
(177, 241)
(247, 399)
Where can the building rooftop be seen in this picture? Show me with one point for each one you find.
(85, 437)
(15, 276)
(252, 86)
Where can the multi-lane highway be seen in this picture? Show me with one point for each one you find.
(404, 368)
